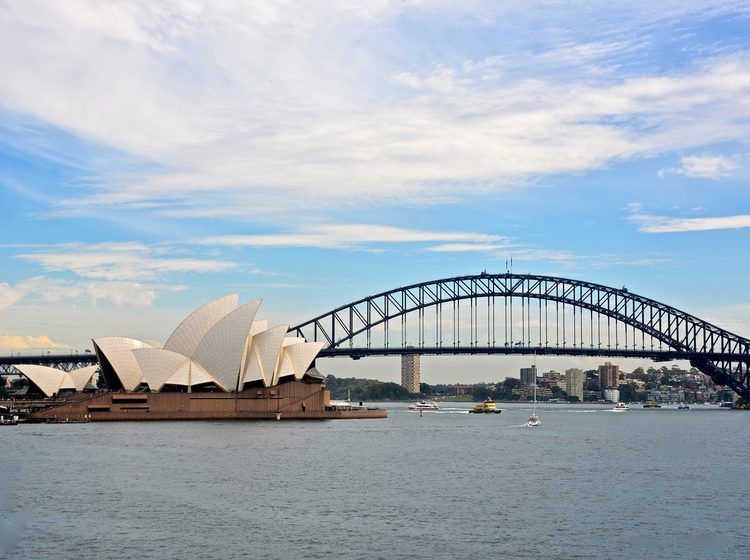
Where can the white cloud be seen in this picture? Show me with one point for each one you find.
(704, 167)
(46, 289)
(274, 107)
(733, 318)
(665, 224)
(345, 236)
(131, 294)
(466, 247)
(119, 261)
(9, 295)
(26, 342)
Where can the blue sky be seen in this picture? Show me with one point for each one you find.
(155, 155)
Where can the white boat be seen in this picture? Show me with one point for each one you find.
(424, 405)
(534, 420)
(8, 417)
(621, 407)
(683, 406)
(347, 404)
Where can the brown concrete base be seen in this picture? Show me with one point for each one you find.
(293, 400)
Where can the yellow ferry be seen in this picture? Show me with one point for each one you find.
(487, 406)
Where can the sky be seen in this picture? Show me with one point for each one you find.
(155, 155)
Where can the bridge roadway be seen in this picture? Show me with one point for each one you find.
(655, 355)
(67, 362)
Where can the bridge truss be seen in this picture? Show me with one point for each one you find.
(66, 362)
(524, 314)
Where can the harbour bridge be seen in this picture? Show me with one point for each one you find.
(516, 314)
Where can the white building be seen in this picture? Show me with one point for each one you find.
(612, 395)
(220, 346)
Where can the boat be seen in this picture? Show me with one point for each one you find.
(534, 421)
(621, 407)
(347, 404)
(683, 406)
(8, 417)
(487, 406)
(424, 405)
(651, 404)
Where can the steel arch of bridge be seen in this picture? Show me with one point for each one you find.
(666, 333)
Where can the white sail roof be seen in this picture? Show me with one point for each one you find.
(220, 351)
(263, 355)
(51, 380)
(186, 337)
(164, 367)
(158, 365)
(190, 374)
(285, 366)
(218, 343)
(48, 379)
(78, 378)
(118, 351)
(258, 326)
(300, 356)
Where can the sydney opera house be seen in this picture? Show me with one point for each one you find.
(219, 363)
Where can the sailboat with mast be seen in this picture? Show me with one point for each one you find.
(534, 420)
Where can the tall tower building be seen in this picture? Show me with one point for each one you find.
(528, 375)
(574, 379)
(410, 372)
(609, 376)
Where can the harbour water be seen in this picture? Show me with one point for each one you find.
(590, 483)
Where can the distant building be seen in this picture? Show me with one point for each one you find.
(526, 393)
(552, 379)
(574, 379)
(410, 372)
(612, 395)
(460, 389)
(528, 376)
(609, 376)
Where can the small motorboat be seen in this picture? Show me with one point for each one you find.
(683, 406)
(621, 407)
(424, 405)
(487, 406)
(8, 418)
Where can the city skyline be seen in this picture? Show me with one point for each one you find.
(158, 155)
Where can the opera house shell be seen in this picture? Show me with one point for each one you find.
(52, 381)
(219, 346)
(219, 363)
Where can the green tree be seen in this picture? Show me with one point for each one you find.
(481, 392)
(558, 393)
(628, 392)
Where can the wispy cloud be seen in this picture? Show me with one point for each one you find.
(119, 261)
(649, 223)
(77, 291)
(275, 125)
(46, 289)
(21, 342)
(704, 167)
(345, 236)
